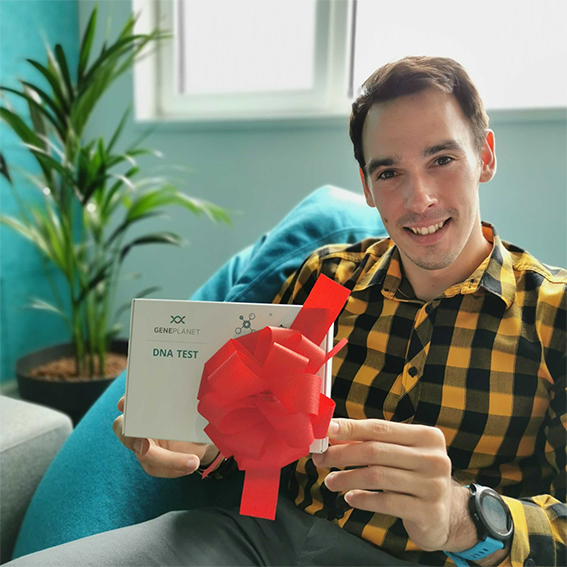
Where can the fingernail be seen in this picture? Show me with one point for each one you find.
(192, 464)
(330, 476)
(334, 427)
(138, 445)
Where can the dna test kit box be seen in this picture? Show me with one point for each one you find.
(170, 342)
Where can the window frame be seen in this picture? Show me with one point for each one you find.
(333, 105)
(157, 75)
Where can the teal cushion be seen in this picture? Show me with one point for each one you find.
(94, 484)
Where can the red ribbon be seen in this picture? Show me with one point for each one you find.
(262, 397)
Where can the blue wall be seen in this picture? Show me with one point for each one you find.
(21, 272)
(264, 170)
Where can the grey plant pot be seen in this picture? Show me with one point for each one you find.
(72, 398)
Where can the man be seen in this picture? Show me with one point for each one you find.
(454, 372)
(446, 328)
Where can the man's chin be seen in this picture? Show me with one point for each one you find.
(433, 262)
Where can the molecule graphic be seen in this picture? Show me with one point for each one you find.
(246, 324)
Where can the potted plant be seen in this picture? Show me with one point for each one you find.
(86, 208)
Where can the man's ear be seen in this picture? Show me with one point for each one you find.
(488, 158)
(367, 193)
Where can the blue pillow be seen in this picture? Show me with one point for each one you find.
(94, 484)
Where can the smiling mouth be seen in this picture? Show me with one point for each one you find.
(426, 230)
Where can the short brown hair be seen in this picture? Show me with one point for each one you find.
(412, 75)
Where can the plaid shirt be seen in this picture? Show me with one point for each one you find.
(484, 362)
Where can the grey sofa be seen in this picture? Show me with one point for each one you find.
(30, 437)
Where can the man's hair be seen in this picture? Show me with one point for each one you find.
(412, 75)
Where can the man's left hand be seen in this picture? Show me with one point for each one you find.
(409, 465)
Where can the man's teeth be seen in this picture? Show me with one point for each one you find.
(428, 229)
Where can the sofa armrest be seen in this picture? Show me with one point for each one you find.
(30, 437)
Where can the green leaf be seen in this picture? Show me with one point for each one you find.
(51, 163)
(4, 169)
(144, 293)
(147, 291)
(118, 130)
(28, 136)
(101, 275)
(86, 44)
(36, 118)
(29, 233)
(47, 100)
(123, 226)
(20, 127)
(56, 83)
(214, 212)
(111, 56)
(156, 238)
(169, 195)
(60, 54)
(37, 303)
(48, 227)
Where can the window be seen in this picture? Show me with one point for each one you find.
(244, 60)
(510, 49)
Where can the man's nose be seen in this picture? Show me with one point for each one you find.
(420, 194)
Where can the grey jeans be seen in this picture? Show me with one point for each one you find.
(217, 536)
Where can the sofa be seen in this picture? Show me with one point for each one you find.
(85, 481)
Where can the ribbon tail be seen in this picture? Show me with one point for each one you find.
(260, 493)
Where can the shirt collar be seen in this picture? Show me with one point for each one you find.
(495, 274)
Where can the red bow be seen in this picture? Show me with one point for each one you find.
(262, 397)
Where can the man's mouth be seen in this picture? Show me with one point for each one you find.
(426, 230)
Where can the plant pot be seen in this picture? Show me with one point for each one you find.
(73, 398)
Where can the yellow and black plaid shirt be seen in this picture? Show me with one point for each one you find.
(484, 362)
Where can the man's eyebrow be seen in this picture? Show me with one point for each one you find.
(442, 146)
(449, 144)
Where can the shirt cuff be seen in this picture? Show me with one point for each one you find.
(532, 543)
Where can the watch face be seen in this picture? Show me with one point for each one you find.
(495, 514)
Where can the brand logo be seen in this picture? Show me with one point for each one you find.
(246, 324)
(178, 320)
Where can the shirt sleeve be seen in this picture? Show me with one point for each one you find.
(540, 522)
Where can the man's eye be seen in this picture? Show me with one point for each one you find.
(443, 158)
(385, 174)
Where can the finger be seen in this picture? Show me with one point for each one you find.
(375, 478)
(390, 503)
(128, 442)
(120, 404)
(338, 442)
(370, 453)
(157, 458)
(409, 434)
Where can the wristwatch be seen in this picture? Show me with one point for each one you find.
(493, 522)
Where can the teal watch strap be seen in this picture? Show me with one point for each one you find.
(480, 550)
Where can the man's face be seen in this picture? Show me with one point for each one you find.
(422, 174)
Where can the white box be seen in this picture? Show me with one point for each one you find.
(170, 341)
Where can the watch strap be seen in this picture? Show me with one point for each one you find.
(481, 549)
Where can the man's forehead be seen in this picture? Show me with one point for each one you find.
(414, 123)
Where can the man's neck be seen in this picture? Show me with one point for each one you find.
(428, 284)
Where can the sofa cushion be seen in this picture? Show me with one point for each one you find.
(95, 484)
(30, 437)
(329, 215)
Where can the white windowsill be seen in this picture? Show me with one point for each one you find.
(325, 121)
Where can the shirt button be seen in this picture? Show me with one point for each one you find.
(529, 562)
(429, 308)
(339, 514)
(412, 371)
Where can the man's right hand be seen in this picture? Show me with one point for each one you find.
(162, 458)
